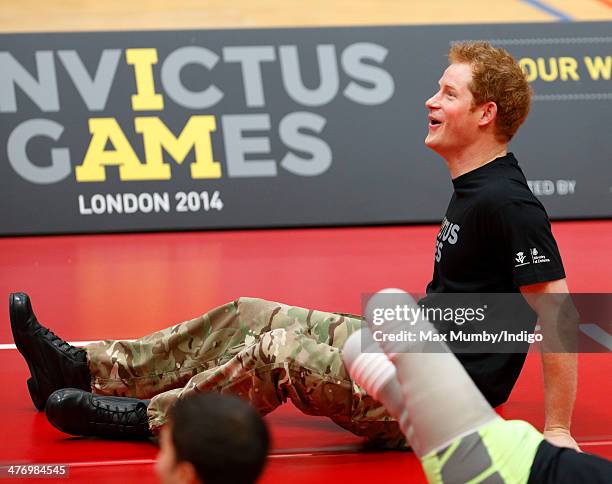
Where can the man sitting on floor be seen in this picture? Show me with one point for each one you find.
(269, 352)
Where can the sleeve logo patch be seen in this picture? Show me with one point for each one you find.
(537, 258)
(520, 258)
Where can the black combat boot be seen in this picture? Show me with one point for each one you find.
(77, 412)
(53, 363)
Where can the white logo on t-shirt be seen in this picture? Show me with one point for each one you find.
(449, 232)
(536, 258)
(520, 258)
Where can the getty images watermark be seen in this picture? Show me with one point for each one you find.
(491, 323)
(459, 316)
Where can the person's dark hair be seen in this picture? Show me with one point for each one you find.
(224, 438)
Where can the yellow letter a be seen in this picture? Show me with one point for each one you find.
(104, 130)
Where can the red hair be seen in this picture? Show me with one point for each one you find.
(496, 77)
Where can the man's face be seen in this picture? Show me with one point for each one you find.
(168, 470)
(453, 124)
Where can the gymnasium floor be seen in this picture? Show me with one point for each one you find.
(84, 15)
(123, 286)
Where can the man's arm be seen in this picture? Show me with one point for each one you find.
(559, 321)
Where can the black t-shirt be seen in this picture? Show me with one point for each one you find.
(494, 238)
(556, 465)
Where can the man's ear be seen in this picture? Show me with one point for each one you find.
(488, 113)
(186, 473)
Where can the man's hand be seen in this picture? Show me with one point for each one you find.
(561, 438)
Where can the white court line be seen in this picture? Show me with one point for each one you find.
(593, 331)
(128, 462)
(598, 334)
(11, 346)
(589, 444)
(152, 461)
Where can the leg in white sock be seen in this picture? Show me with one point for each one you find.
(440, 399)
(371, 369)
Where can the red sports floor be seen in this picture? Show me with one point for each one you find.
(123, 286)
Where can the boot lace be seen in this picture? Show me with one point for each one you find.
(59, 343)
(122, 417)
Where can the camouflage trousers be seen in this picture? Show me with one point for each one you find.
(262, 351)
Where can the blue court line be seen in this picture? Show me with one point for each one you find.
(563, 17)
